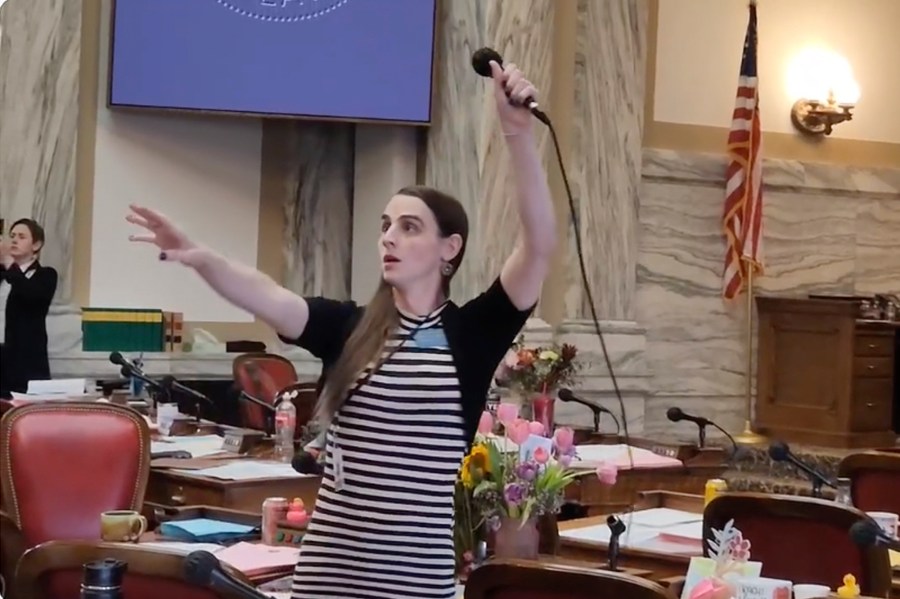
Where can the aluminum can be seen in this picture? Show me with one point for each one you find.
(274, 510)
(714, 487)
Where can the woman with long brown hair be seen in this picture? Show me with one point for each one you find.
(405, 377)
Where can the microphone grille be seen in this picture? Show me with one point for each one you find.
(674, 414)
(116, 358)
(199, 567)
(779, 451)
(564, 394)
(864, 533)
(481, 61)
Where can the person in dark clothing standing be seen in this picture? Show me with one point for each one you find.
(30, 291)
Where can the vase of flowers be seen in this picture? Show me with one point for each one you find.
(538, 373)
(513, 478)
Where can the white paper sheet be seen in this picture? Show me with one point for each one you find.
(198, 446)
(663, 517)
(178, 546)
(59, 386)
(247, 470)
(657, 529)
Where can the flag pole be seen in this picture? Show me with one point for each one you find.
(747, 436)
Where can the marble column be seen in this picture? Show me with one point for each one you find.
(605, 165)
(466, 155)
(605, 174)
(40, 49)
(308, 168)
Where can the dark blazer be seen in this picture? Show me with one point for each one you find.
(25, 347)
(479, 334)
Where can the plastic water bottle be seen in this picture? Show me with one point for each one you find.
(285, 425)
(843, 494)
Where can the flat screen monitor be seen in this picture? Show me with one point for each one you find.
(357, 60)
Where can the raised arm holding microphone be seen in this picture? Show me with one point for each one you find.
(405, 377)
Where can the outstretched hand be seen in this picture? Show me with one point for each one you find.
(174, 245)
(511, 89)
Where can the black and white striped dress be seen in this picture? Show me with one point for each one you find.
(387, 532)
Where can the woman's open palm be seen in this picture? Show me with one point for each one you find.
(161, 232)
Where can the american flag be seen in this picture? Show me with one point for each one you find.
(743, 179)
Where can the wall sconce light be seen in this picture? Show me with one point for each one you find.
(827, 90)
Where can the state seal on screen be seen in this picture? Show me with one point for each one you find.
(283, 11)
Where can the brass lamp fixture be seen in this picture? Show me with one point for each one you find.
(828, 91)
(813, 117)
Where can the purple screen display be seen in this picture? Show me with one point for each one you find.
(350, 59)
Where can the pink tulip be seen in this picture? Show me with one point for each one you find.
(536, 428)
(607, 473)
(507, 413)
(541, 455)
(564, 437)
(518, 431)
(486, 424)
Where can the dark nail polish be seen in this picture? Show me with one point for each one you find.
(162, 255)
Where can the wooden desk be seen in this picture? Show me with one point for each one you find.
(700, 465)
(662, 565)
(826, 377)
(179, 489)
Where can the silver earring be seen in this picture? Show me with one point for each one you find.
(446, 269)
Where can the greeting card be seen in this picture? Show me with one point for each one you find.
(713, 577)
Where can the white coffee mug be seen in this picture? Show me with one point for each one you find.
(811, 591)
(887, 521)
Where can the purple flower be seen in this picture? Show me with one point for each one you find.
(527, 471)
(514, 493)
(565, 460)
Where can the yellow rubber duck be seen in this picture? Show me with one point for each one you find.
(850, 588)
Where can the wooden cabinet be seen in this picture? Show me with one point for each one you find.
(824, 377)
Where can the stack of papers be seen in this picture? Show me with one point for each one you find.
(55, 390)
(590, 456)
(255, 559)
(657, 529)
(247, 470)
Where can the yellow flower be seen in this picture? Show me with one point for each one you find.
(475, 465)
(549, 355)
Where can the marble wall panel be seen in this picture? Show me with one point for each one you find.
(827, 229)
(40, 49)
(308, 169)
(605, 164)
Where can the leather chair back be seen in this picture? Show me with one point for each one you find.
(874, 480)
(801, 539)
(262, 376)
(63, 463)
(518, 579)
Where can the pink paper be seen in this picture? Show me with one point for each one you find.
(253, 559)
(645, 459)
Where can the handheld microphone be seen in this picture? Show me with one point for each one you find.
(867, 533)
(306, 463)
(567, 395)
(481, 62)
(780, 452)
(203, 569)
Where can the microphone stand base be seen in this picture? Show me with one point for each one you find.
(748, 437)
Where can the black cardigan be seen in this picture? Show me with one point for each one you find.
(479, 334)
(25, 348)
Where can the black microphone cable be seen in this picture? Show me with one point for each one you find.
(480, 60)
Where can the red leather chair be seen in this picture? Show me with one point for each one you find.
(874, 480)
(261, 376)
(53, 570)
(61, 465)
(801, 539)
(514, 579)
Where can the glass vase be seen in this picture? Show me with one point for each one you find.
(516, 540)
(542, 411)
